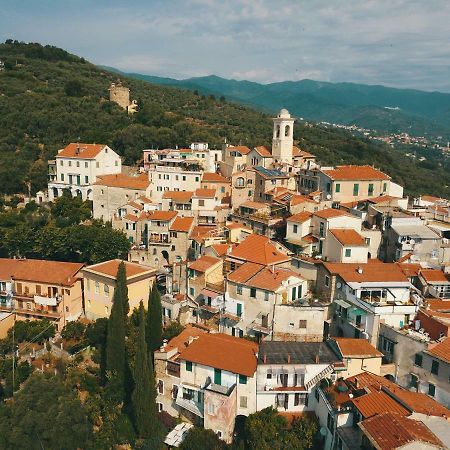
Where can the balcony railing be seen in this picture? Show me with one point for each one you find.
(31, 312)
(159, 240)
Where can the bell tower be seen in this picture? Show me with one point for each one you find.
(283, 137)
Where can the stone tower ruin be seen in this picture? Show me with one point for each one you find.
(121, 95)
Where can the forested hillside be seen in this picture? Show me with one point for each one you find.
(49, 98)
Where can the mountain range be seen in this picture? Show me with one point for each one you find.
(384, 109)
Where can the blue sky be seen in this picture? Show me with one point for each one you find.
(400, 43)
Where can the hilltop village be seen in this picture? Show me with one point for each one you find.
(310, 289)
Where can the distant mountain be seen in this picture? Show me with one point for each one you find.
(377, 107)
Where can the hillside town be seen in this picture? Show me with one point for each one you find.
(314, 290)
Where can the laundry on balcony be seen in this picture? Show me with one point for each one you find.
(45, 301)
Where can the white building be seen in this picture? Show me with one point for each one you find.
(77, 167)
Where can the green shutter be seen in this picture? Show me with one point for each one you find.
(217, 376)
(242, 379)
(355, 189)
(337, 187)
(189, 366)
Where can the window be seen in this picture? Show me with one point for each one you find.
(97, 287)
(86, 179)
(269, 375)
(189, 366)
(161, 387)
(62, 177)
(197, 179)
(116, 163)
(253, 292)
(211, 409)
(414, 381)
(327, 281)
(97, 164)
(266, 296)
(192, 291)
(355, 189)
(295, 228)
(70, 163)
(370, 190)
(86, 164)
(217, 376)
(106, 290)
(348, 252)
(243, 401)
(250, 193)
(242, 379)
(160, 407)
(88, 303)
(239, 289)
(337, 187)
(174, 391)
(302, 323)
(219, 434)
(201, 203)
(184, 177)
(435, 367)
(106, 310)
(418, 360)
(322, 229)
(384, 187)
(222, 189)
(239, 182)
(431, 389)
(61, 163)
(78, 163)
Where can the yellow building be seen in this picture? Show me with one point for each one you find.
(100, 281)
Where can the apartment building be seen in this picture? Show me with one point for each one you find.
(100, 282)
(38, 289)
(77, 167)
(217, 382)
(287, 373)
(219, 183)
(234, 159)
(366, 295)
(111, 192)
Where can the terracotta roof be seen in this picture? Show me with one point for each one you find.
(182, 224)
(352, 347)
(390, 431)
(298, 199)
(144, 199)
(330, 213)
(255, 205)
(260, 250)
(310, 238)
(263, 151)
(211, 177)
(121, 180)
(434, 276)
(441, 350)
(378, 402)
(237, 226)
(205, 193)
(200, 232)
(410, 270)
(348, 236)
(110, 268)
(181, 196)
(373, 271)
(242, 149)
(271, 280)
(220, 249)
(355, 173)
(180, 342)
(83, 151)
(136, 205)
(163, 216)
(300, 217)
(430, 198)
(131, 217)
(223, 351)
(38, 270)
(383, 199)
(204, 263)
(298, 152)
(244, 272)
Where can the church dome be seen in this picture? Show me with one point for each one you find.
(284, 113)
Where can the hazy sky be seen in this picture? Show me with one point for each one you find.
(401, 43)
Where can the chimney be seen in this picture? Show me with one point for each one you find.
(317, 359)
(356, 383)
(359, 269)
(265, 358)
(289, 359)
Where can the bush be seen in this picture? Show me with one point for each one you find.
(73, 330)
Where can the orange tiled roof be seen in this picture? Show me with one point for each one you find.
(373, 271)
(244, 272)
(182, 224)
(299, 152)
(224, 352)
(220, 249)
(181, 196)
(441, 350)
(204, 263)
(200, 232)
(434, 276)
(254, 205)
(211, 177)
(260, 250)
(348, 236)
(298, 199)
(330, 213)
(109, 268)
(38, 270)
(392, 431)
(376, 403)
(382, 199)
(205, 193)
(181, 341)
(430, 198)
(83, 151)
(121, 180)
(300, 217)
(163, 216)
(263, 151)
(242, 149)
(131, 217)
(236, 226)
(352, 347)
(410, 270)
(355, 173)
(271, 280)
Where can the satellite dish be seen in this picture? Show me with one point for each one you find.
(328, 196)
(323, 431)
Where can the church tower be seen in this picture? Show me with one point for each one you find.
(283, 137)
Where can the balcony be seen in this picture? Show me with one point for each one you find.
(257, 325)
(45, 301)
(191, 400)
(32, 312)
(159, 240)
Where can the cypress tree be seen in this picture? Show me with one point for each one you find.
(144, 393)
(154, 320)
(121, 283)
(115, 342)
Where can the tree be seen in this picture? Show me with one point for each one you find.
(27, 420)
(73, 88)
(121, 281)
(154, 320)
(144, 394)
(115, 344)
(172, 330)
(73, 330)
(202, 439)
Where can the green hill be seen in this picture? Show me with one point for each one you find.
(49, 97)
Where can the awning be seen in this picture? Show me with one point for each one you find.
(342, 304)
(358, 312)
(208, 293)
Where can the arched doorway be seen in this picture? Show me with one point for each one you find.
(66, 192)
(89, 194)
(55, 192)
(165, 255)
